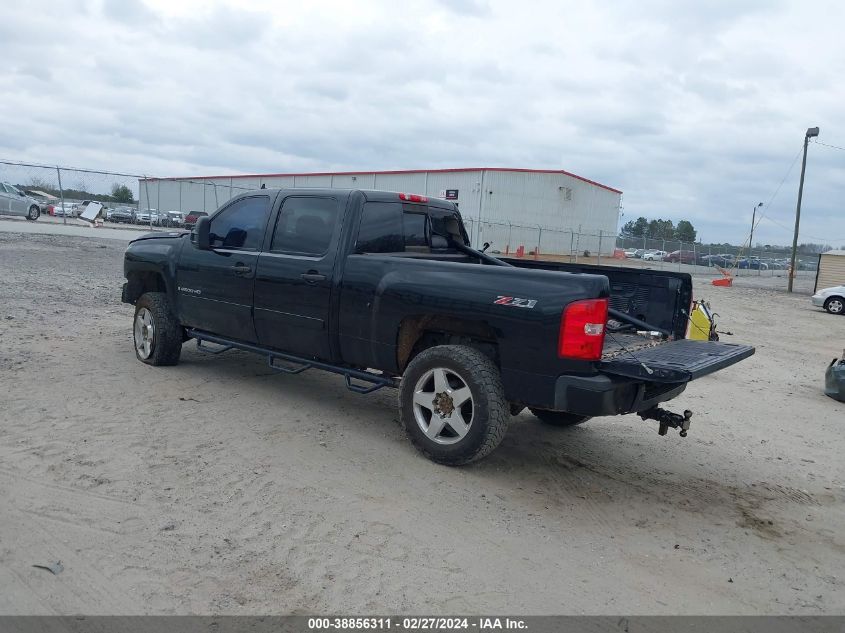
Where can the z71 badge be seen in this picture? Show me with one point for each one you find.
(516, 302)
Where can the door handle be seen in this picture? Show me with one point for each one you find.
(312, 277)
(241, 269)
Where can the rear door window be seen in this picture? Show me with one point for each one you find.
(391, 227)
(415, 225)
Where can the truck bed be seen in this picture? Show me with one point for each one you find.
(624, 343)
(660, 298)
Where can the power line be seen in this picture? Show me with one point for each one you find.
(806, 235)
(766, 207)
(774, 195)
(829, 145)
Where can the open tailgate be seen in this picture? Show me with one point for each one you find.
(676, 361)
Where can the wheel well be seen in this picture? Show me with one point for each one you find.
(141, 282)
(421, 332)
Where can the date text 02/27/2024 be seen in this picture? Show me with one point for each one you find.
(416, 624)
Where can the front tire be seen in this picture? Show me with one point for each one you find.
(835, 305)
(452, 404)
(156, 333)
(559, 418)
(33, 214)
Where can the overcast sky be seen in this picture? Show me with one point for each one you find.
(694, 109)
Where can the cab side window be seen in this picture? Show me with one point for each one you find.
(388, 228)
(241, 225)
(305, 226)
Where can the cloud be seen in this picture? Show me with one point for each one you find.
(694, 111)
(466, 7)
(129, 12)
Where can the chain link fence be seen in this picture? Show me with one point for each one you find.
(539, 242)
(188, 197)
(739, 261)
(62, 194)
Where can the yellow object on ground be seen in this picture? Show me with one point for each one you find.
(701, 322)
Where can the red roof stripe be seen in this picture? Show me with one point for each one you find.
(398, 171)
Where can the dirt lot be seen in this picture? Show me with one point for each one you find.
(219, 486)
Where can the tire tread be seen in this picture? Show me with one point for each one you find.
(486, 374)
(168, 331)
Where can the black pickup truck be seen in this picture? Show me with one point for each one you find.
(384, 289)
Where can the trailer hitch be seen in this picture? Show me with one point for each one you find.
(667, 419)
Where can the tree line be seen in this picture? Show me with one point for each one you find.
(660, 229)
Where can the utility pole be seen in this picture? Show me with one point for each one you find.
(813, 131)
(751, 237)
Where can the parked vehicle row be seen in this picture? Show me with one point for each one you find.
(154, 217)
(651, 255)
(723, 260)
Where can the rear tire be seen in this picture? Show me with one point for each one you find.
(33, 214)
(835, 305)
(156, 332)
(559, 418)
(452, 404)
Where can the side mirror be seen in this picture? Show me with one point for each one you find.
(201, 234)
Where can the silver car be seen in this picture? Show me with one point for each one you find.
(16, 202)
(831, 299)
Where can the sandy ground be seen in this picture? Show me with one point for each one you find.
(218, 486)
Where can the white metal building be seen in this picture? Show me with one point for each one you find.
(554, 210)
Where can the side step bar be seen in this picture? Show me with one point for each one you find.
(372, 382)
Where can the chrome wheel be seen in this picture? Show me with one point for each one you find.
(443, 405)
(34, 212)
(144, 333)
(835, 305)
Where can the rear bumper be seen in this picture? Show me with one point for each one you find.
(818, 301)
(610, 395)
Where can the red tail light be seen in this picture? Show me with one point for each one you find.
(412, 197)
(582, 329)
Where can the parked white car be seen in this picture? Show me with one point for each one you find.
(831, 299)
(654, 256)
(13, 201)
(630, 252)
(63, 209)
